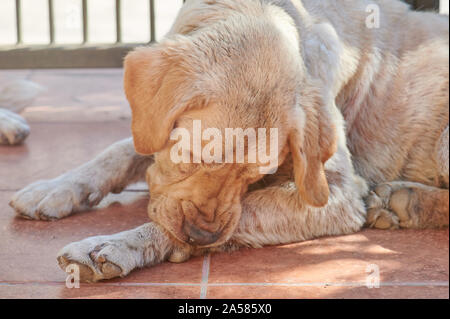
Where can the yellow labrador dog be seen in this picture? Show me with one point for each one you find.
(357, 91)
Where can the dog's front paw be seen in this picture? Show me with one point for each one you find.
(54, 199)
(13, 128)
(101, 258)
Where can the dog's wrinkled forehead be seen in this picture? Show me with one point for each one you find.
(178, 98)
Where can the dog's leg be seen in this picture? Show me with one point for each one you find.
(106, 257)
(13, 128)
(270, 216)
(413, 205)
(82, 187)
(276, 215)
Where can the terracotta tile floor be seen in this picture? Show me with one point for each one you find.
(82, 112)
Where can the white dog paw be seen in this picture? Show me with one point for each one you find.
(54, 199)
(13, 128)
(101, 258)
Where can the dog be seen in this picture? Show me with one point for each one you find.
(361, 114)
(14, 98)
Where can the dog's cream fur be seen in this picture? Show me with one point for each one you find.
(14, 97)
(356, 108)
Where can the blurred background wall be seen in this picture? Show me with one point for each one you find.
(92, 33)
(68, 21)
(101, 20)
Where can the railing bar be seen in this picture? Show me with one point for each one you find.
(152, 21)
(51, 21)
(18, 22)
(85, 22)
(118, 21)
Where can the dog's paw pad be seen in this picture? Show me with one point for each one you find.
(110, 271)
(85, 273)
(97, 261)
(381, 219)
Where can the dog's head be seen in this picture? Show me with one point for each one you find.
(224, 82)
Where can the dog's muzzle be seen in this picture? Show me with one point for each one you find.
(199, 237)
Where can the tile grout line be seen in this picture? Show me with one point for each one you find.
(204, 284)
(205, 277)
(333, 284)
(96, 285)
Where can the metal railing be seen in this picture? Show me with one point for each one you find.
(84, 5)
(86, 55)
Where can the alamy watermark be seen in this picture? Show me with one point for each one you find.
(373, 19)
(73, 278)
(237, 146)
(373, 277)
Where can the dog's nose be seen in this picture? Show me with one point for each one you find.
(198, 236)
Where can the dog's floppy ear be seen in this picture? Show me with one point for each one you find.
(155, 85)
(312, 143)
